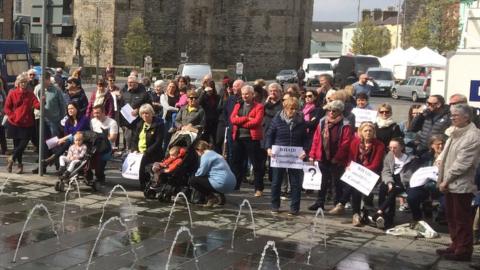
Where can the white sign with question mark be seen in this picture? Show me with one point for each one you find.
(312, 176)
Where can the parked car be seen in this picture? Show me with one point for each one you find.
(350, 67)
(415, 87)
(384, 78)
(286, 75)
(195, 71)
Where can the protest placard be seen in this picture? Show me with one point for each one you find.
(286, 157)
(421, 176)
(360, 178)
(362, 115)
(312, 176)
(131, 166)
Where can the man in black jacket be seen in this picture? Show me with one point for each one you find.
(134, 95)
(435, 119)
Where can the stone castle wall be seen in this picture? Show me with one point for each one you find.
(272, 34)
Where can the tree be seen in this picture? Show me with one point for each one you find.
(436, 26)
(96, 44)
(371, 39)
(137, 43)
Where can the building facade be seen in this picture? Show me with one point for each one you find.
(327, 39)
(270, 34)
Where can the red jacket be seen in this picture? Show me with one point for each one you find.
(252, 121)
(316, 151)
(19, 107)
(376, 160)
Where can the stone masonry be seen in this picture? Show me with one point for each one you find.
(272, 34)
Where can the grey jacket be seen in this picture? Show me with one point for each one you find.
(196, 118)
(427, 124)
(459, 159)
(389, 169)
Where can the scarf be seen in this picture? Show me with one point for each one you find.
(329, 123)
(191, 109)
(307, 110)
(99, 98)
(382, 123)
(365, 150)
(284, 117)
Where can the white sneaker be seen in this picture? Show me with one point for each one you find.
(380, 222)
(348, 205)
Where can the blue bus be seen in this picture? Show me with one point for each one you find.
(15, 58)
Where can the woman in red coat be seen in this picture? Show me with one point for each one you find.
(367, 151)
(19, 110)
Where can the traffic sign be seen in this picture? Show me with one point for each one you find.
(239, 68)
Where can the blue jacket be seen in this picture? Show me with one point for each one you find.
(280, 133)
(218, 172)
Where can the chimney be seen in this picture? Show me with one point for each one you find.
(389, 14)
(366, 14)
(377, 14)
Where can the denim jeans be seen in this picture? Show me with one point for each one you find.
(295, 178)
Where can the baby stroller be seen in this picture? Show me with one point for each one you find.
(177, 180)
(97, 144)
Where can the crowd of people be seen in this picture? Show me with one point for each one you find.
(239, 124)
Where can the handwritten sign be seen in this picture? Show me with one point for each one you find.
(286, 157)
(421, 176)
(52, 142)
(312, 176)
(360, 178)
(131, 166)
(362, 115)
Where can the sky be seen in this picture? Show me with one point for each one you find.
(345, 10)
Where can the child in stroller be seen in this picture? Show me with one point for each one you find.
(171, 175)
(74, 156)
(168, 165)
(96, 145)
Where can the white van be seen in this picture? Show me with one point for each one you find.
(315, 67)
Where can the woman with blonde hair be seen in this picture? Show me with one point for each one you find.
(385, 128)
(367, 151)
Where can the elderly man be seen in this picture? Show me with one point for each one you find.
(362, 85)
(458, 99)
(32, 78)
(54, 110)
(457, 165)
(326, 84)
(227, 111)
(434, 120)
(246, 120)
(135, 96)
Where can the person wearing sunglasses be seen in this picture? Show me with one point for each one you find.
(311, 114)
(191, 117)
(434, 119)
(385, 128)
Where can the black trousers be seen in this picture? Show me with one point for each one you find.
(19, 146)
(143, 173)
(202, 185)
(387, 199)
(243, 149)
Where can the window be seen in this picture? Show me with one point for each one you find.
(411, 81)
(420, 82)
(323, 44)
(18, 6)
(16, 63)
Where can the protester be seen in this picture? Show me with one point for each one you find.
(326, 85)
(246, 120)
(311, 114)
(362, 102)
(59, 80)
(458, 99)
(168, 101)
(367, 151)
(213, 176)
(362, 86)
(32, 79)
(397, 170)
(191, 117)
(101, 97)
(3, 138)
(232, 100)
(418, 197)
(209, 102)
(457, 165)
(147, 139)
(116, 95)
(19, 109)
(433, 120)
(385, 128)
(330, 147)
(74, 156)
(405, 127)
(287, 129)
(222, 127)
(76, 94)
(155, 96)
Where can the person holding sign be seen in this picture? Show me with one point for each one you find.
(330, 148)
(367, 151)
(147, 139)
(287, 129)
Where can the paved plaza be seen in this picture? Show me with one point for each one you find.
(346, 247)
